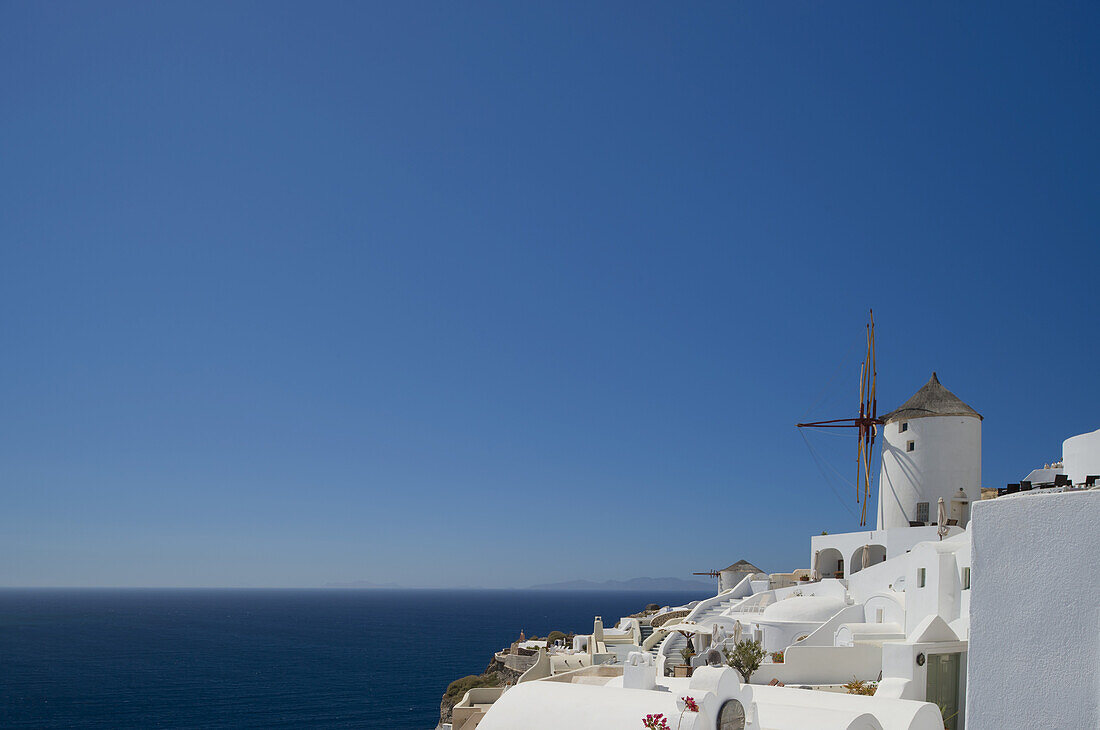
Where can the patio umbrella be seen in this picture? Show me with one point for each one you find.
(941, 519)
(687, 628)
(692, 633)
(814, 573)
(866, 555)
(738, 629)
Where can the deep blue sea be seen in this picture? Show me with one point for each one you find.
(264, 658)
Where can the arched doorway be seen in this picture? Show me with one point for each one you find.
(875, 555)
(830, 563)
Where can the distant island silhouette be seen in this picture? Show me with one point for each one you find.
(362, 584)
(634, 584)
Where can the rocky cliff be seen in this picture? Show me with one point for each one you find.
(504, 669)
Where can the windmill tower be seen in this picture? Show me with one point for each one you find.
(931, 448)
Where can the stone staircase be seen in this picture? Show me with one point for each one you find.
(676, 641)
(715, 610)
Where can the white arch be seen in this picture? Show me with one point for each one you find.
(875, 555)
(830, 563)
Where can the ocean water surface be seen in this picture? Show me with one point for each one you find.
(123, 658)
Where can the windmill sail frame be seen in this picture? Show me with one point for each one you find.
(866, 423)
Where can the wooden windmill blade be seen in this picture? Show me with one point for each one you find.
(864, 423)
(713, 574)
(859, 427)
(872, 412)
(874, 373)
(865, 383)
(862, 436)
(869, 410)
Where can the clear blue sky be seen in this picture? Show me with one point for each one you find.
(466, 293)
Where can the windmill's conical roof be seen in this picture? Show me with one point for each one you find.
(743, 566)
(932, 400)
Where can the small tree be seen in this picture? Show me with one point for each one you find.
(745, 657)
(687, 653)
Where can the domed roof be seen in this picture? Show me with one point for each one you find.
(931, 400)
(803, 609)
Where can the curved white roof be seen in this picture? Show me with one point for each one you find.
(804, 609)
(553, 706)
(887, 712)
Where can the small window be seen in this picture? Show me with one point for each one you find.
(922, 512)
(966, 579)
(920, 577)
(878, 615)
(910, 446)
(903, 427)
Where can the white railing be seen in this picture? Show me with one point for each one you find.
(704, 606)
(755, 604)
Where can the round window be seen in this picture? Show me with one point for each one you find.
(731, 716)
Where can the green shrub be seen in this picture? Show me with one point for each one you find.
(459, 687)
(745, 657)
(554, 636)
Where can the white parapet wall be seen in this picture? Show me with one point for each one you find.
(1035, 612)
(1081, 456)
(823, 665)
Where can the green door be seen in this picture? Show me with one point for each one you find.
(943, 687)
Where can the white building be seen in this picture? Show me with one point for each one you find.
(734, 574)
(1081, 457)
(931, 448)
(891, 606)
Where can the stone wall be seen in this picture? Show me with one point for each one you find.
(513, 662)
(508, 669)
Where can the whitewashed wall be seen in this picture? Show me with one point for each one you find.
(1081, 456)
(1035, 612)
(947, 457)
(897, 541)
(942, 592)
(823, 665)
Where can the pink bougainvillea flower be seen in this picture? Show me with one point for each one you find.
(655, 722)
